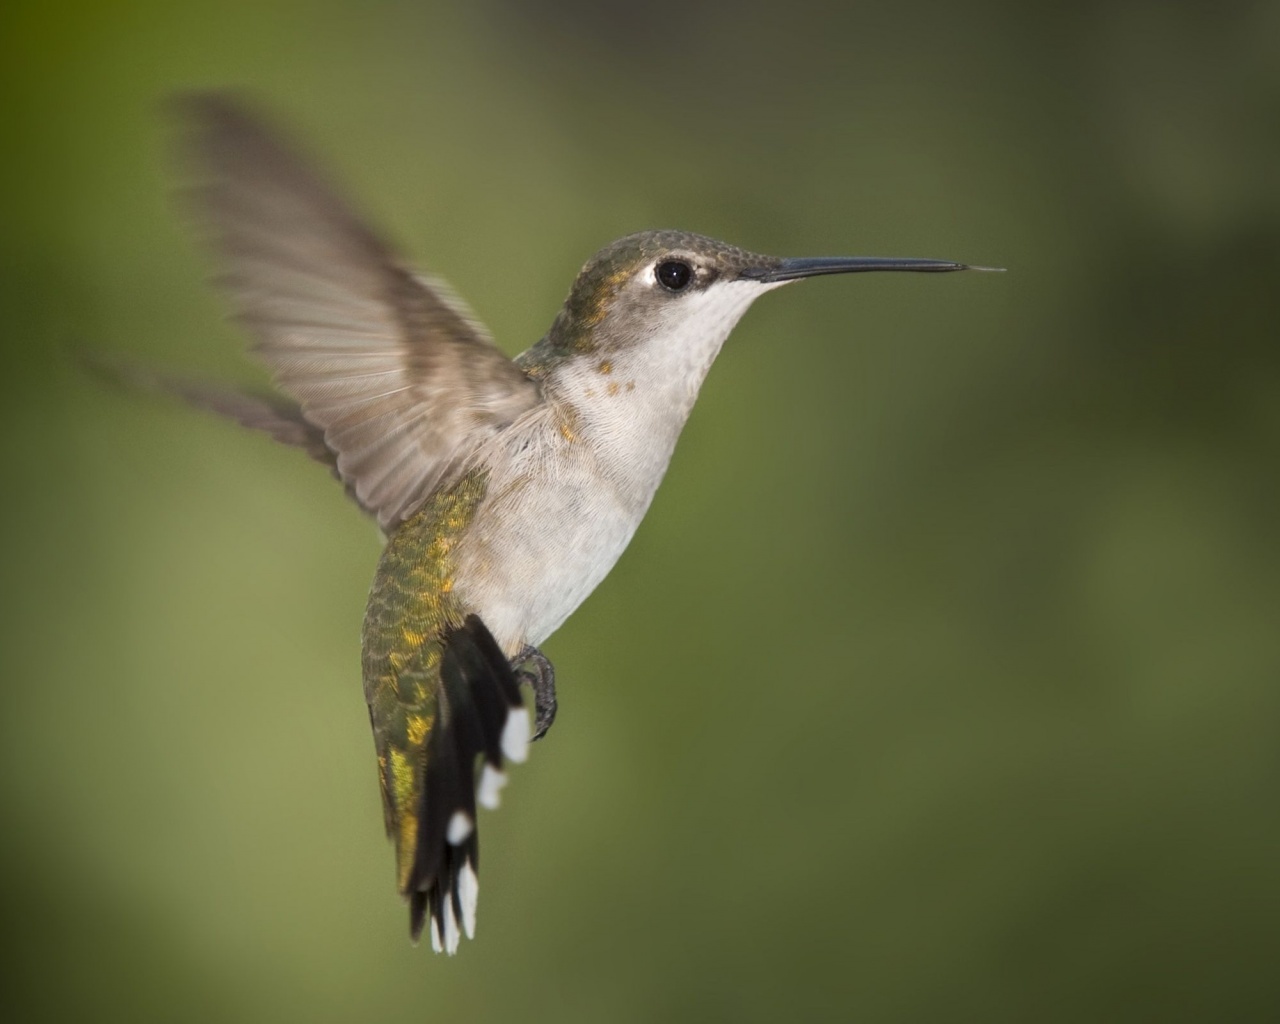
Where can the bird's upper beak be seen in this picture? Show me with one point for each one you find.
(811, 266)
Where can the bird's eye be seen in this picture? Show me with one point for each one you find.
(674, 275)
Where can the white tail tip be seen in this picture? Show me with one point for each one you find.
(515, 735)
(489, 791)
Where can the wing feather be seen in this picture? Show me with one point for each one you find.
(391, 367)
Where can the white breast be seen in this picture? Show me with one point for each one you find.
(545, 536)
(570, 483)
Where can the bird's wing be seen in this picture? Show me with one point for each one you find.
(274, 415)
(394, 370)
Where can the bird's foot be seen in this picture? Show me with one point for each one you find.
(534, 670)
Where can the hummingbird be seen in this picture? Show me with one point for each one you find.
(506, 489)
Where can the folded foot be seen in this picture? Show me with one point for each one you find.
(534, 670)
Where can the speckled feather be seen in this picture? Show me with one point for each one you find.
(411, 606)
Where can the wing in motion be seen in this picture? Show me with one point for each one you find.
(394, 370)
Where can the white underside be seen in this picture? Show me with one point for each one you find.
(570, 483)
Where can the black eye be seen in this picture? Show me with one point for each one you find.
(674, 275)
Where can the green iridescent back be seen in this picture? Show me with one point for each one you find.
(411, 606)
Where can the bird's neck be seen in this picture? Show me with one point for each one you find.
(629, 403)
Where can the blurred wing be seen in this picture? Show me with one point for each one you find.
(273, 415)
(393, 369)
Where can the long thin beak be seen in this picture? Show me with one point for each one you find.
(794, 269)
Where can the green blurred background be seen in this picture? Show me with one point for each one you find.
(942, 681)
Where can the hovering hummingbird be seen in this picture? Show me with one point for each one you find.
(506, 488)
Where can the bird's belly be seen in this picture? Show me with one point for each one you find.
(538, 547)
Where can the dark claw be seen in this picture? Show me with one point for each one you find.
(534, 670)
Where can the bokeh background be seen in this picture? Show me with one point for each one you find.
(942, 681)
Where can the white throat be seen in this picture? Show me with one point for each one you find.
(631, 405)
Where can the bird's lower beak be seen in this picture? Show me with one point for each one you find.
(794, 269)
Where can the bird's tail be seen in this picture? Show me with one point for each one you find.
(482, 719)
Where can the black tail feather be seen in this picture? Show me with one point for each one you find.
(479, 695)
